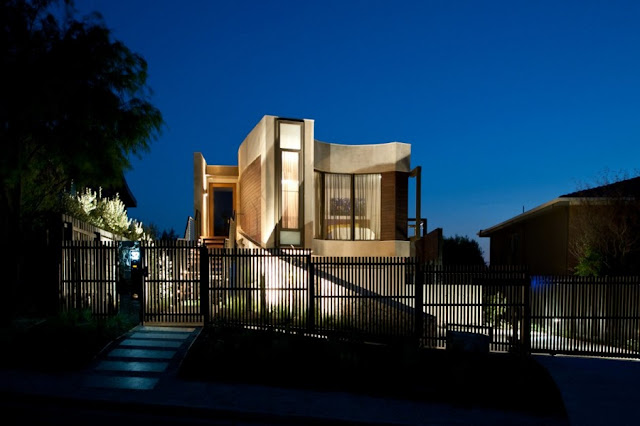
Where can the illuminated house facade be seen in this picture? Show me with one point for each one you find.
(290, 190)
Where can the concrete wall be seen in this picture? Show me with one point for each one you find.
(361, 248)
(199, 189)
(308, 184)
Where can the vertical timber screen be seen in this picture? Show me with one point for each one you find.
(88, 276)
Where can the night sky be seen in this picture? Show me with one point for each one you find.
(506, 104)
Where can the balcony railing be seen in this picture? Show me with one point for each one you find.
(417, 228)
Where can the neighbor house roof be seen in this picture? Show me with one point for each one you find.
(537, 211)
(624, 188)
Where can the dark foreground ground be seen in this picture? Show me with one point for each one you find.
(499, 381)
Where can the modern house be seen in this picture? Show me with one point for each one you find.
(290, 190)
(542, 237)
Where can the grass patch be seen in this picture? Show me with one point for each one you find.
(66, 342)
(401, 370)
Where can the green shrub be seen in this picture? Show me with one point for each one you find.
(67, 341)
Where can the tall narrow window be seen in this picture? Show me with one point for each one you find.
(290, 190)
(290, 137)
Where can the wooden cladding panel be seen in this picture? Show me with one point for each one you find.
(394, 205)
(250, 196)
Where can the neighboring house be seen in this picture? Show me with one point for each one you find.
(542, 238)
(291, 190)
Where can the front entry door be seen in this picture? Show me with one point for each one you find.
(222, 210)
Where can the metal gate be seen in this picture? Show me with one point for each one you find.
(170, 280)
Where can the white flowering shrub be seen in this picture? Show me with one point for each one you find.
(109, 214)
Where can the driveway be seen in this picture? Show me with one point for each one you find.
(596, 391)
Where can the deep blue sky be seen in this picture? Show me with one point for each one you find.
(507, 104)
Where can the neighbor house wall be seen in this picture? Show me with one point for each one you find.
(539, 242)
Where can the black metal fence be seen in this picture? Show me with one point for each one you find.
(586, 315)
(256, 287)
(480, 300)
(364, 297)
(373, 298)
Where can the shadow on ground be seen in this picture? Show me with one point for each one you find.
(496, 380)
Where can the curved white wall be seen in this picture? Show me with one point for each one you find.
(386, 157)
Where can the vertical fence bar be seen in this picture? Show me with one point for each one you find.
(416, 264)
(205, 306)
(311, 295)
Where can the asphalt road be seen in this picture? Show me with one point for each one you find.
(21, 410)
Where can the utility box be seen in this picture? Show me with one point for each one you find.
(463, 341)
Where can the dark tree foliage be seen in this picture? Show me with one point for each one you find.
(458, 250)
(170, 235)
(74, 107)
(605, 226)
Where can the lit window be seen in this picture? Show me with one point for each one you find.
(351, 206)
(290, 190)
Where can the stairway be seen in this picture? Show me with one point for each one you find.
(141, 358)
(214, 242)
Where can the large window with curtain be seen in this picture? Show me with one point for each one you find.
(348, 206)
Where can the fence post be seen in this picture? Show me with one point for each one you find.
(526, 320)
(311, 306)
(419, 299)
(204, 283)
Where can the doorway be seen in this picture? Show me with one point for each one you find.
(223, 201)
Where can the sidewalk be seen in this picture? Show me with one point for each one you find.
(141, 370)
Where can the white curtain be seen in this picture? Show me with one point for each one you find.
(319, 217)
(366, 202)
(337, 206)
